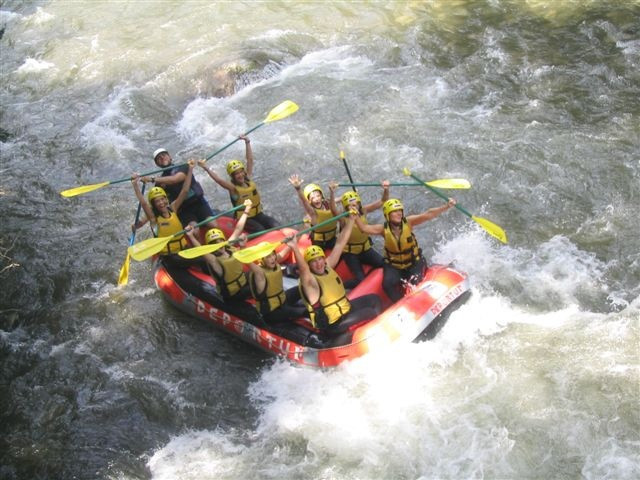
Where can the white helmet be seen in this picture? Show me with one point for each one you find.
(158, 152)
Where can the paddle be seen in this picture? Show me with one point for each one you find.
(204, 249)
(123, 278)
(490, 227)
(346, 167)
(444, 183)
(146, 248)
(279, 112)
(251, 254)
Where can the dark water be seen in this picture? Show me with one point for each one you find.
(535, 103)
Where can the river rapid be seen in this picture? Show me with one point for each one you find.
(536, 103)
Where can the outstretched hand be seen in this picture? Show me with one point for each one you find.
(295, 180)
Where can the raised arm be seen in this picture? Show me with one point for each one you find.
(148, 211)
(248, 155)
(307, 281)
(341, 241)
(378, 204)
(217, 178)
(332, 198)
(430, 214)
(369, 229)
(296, 181)
(241, 221)
(186, 185)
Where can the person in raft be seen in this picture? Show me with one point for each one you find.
(402, 256)
(164, 216)
(318, 210)
(358, 251)
(241, 188)
(195, 207)
(265, 280)
(231, 280)
(323, 292)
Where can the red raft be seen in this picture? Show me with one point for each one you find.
(418, 315)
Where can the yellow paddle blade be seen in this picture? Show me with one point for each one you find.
(450, 183)
(147, 248)
(72, 192)
(256, 252)
(201, 250)
(123, 278)
(491, 228)
(281, 111)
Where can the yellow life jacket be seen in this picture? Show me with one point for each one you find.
(233, 277)
(333, 299)
(165, 227)
(400, 253)
(249, 191)
(358, 241)
(326, 232)
(273, 295)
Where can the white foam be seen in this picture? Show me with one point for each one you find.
(31, 65)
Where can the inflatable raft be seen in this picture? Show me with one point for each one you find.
(419, 314)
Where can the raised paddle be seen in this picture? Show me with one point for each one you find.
(204, 249)
(251, 254)
(346, 167)
(444, 183)
(279, 112)
(149, 247)
(123, 278)
(490, 227)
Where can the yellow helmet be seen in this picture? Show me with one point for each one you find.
(312, 253)
(233, 166)
(391, 205)
(312, 187)
(156, 192)
(348, 197)
(213, 235)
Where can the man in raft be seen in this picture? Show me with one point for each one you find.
(323, 291)
(403, 258)
(195, 207)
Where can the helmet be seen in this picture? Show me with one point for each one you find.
(156, 192)
(213, 235)
(158, 152)
(348, 197)
(312, 253)
(391, 205)
(312, 187)
(233, 166)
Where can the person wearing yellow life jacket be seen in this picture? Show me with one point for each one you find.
(164, 216)
(276, 304)
(231, 280)
(358, 251)
(318, 209)
(323, 292)
(402, 256)
(241, 187)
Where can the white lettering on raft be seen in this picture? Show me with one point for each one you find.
(451, 295)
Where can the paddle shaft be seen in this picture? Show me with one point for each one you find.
(393, 184)
(346, 167)
(441, 195)
(132, 237)
(209, 219)
(220, 150)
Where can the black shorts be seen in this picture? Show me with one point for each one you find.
(196, 211)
